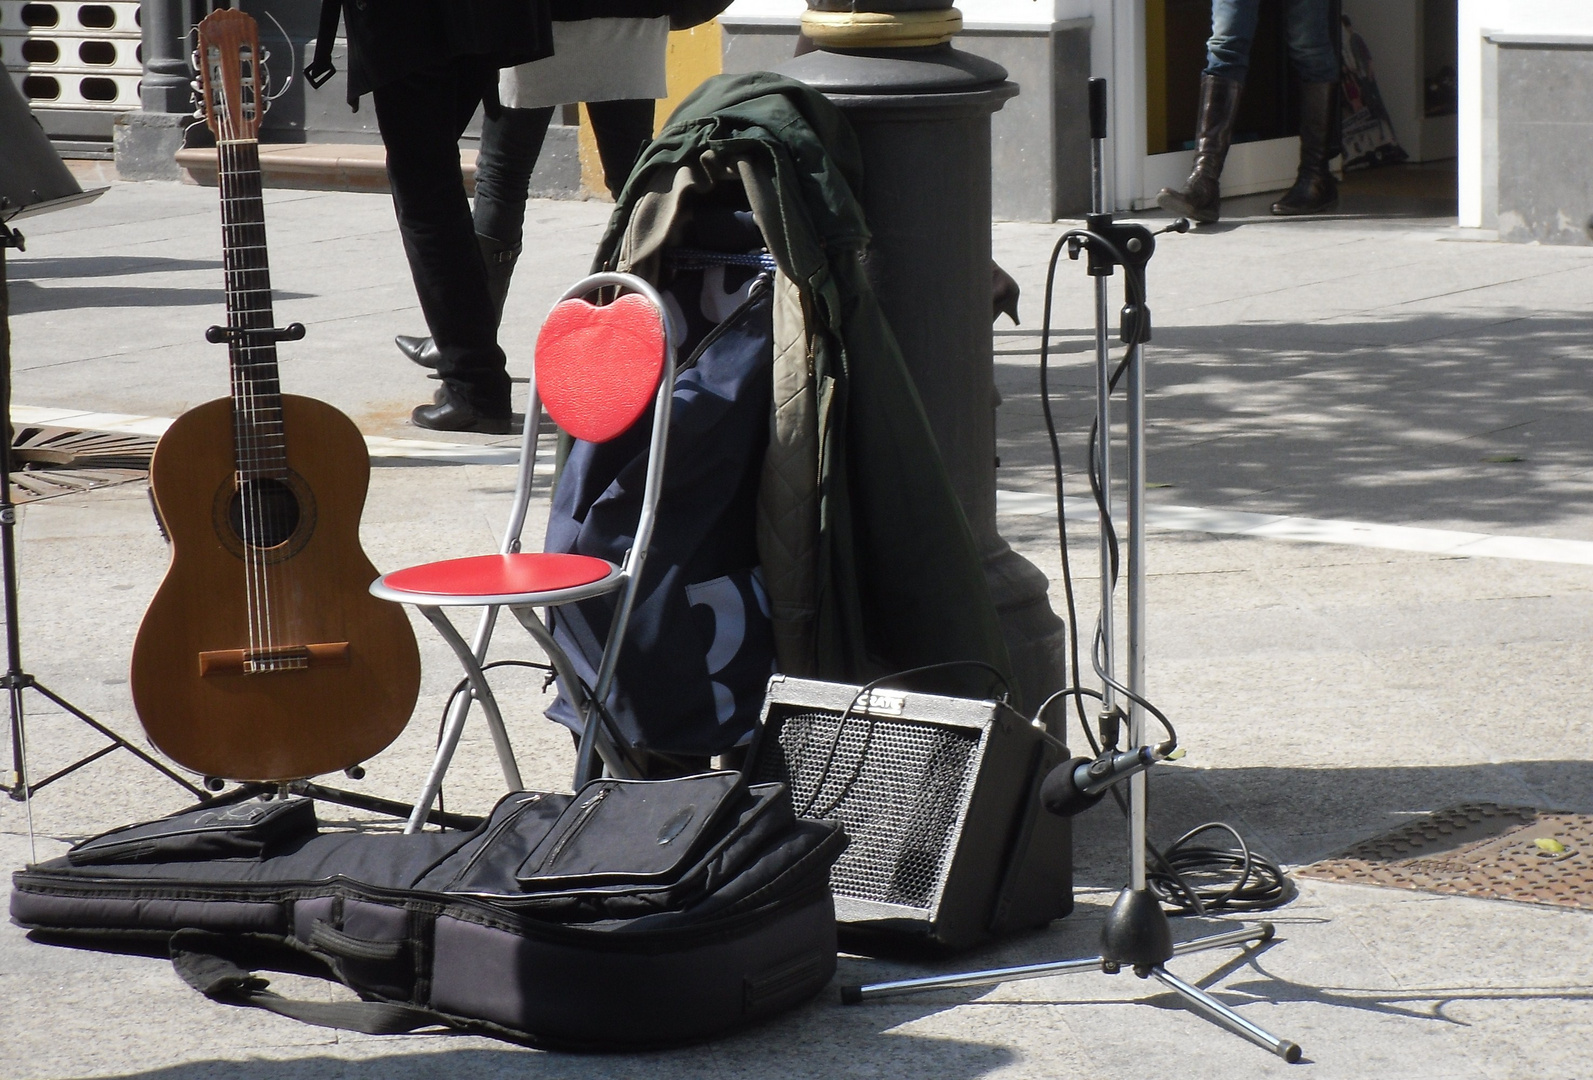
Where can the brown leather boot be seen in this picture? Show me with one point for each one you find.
(1314, 191)
(1219, 104)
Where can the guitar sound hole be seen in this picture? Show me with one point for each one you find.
(264, 513)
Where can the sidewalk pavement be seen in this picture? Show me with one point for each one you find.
(1369, 579)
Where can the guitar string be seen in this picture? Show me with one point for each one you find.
(245, 430)
(242, 404)
(225, 181)
(261, 367)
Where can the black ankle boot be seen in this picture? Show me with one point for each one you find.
(1314, 191)
(499, 259)
(1219, 104)
(449, 411)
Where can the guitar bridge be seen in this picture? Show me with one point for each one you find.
(265, 661)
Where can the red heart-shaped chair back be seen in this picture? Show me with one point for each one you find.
(598, 367)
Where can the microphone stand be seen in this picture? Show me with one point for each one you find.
(16, 679)
(1137, 933)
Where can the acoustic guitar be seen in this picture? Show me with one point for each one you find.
(263, 656)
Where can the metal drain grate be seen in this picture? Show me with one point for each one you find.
(1480, 849)
(49, 461)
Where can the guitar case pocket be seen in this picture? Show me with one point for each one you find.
(245, 830)
(631, 832)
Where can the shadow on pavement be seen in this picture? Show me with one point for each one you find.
(764, 1051)
(26, 269)
(1428, 417)
(29, 298)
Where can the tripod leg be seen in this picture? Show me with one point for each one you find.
(853, 995)
(1258, 933)
(1203, 1003)
(118, 742)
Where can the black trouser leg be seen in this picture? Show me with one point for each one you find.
(421, 118)
(622, 130)
(510, 146)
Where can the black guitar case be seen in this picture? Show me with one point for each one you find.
(631, 914)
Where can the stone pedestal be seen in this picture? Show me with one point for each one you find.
(146, 144)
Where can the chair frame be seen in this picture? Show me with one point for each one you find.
(598, 749)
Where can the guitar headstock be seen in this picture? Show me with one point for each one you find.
(230, 80)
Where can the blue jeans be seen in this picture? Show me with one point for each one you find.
(1306, 30)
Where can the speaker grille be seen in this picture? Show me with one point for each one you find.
(900, 788)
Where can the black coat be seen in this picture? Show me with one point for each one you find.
(577, 10)
(391, 39)
(683, 14)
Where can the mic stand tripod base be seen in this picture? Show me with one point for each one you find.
(1129, 908)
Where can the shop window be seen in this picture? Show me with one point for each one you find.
(97, 52)
(41, 88)
(40, 51)
(40, 14)
(96, 16)
(94, 89)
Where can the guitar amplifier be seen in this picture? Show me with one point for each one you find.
(940, 798)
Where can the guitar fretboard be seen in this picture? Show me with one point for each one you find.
(256, 389)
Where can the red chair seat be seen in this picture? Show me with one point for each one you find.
(500, 575)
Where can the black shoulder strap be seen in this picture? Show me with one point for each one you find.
(321, 68)
(210, 964)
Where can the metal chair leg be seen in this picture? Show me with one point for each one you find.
(596, 743)
(470, 659)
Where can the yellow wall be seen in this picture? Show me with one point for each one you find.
(1155, 76)
(694, 56)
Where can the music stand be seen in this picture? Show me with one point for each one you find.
(33, 180)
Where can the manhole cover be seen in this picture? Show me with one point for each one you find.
(1482, 850)
(51, 461)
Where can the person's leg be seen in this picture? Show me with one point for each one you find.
(1233, 28)
(421, 118)
(1309, 30)
(510, 146)
(622, 130)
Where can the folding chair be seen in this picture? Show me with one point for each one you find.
(596, 369)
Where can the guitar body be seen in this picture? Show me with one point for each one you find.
(198, 699)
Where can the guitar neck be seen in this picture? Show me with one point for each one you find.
(256, 388)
